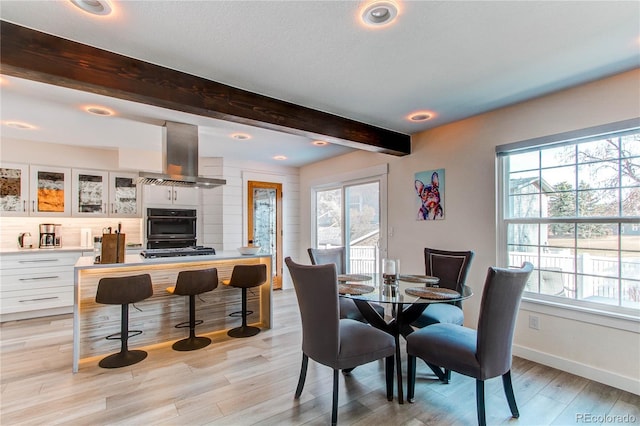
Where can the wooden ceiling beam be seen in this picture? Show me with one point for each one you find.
(37, 56)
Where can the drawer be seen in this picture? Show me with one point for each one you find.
(39, 260)
(36, 278)
(42, 300)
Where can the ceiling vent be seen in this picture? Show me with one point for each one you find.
(179, 159)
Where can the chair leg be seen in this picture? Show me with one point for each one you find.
(411, 377)
(508, 390)
(244, 330)
(334, 408)
(193, 342)
(447, 376)
(482, 420)
(303, 375)
(442, 376)
(388, 371)
(125, 357)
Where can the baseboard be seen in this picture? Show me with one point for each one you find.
(589, 372)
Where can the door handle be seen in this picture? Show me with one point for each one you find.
(175, 195)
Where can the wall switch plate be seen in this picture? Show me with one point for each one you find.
(534, 322)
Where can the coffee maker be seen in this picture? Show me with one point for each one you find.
(47, 235)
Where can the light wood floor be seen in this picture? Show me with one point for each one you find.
(251, 381)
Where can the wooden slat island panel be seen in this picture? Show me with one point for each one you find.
(158, 315)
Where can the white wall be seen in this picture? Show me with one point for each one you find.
(466, 150)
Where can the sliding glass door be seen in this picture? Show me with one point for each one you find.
(349, 215)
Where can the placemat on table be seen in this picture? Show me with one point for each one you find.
(427, 279)
(353, 277)
(436, 293)
(347, 288)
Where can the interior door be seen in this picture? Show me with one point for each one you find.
(265, 222)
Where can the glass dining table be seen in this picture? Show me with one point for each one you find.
(406, 299)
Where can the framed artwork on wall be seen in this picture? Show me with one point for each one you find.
(429, 186)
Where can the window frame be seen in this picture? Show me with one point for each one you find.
(571, 308)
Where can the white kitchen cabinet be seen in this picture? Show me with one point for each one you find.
(124, 195)
(171, 195)
(14, 189)
(49, 191)
(99, 193)
(37, 283)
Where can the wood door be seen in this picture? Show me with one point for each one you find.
(265, 222)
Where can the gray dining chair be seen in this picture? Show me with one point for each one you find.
(483, 353)
(451, 267)
(328, 339)
(336, 255)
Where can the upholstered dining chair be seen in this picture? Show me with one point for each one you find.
(451, 267)
(328, 339)
(483, 353)
(336, 255)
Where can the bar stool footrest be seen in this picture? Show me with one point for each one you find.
(118, 336)
(186, 324)
(238, 314)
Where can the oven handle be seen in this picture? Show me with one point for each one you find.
(172, 217)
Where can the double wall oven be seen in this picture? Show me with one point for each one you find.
(171, 228)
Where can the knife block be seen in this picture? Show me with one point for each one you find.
(113, 248)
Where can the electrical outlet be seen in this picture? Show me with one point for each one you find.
(534, 322)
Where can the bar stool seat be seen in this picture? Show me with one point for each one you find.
(191, 283)
(244, 277)
(122, 291)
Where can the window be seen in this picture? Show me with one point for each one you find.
(348, 213)
(571, 206)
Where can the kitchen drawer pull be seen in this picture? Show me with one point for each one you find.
(39, 278)
(39, 299)
(38, 261)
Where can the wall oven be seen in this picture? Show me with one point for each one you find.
(171, 228)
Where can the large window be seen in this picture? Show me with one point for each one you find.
(572, 208)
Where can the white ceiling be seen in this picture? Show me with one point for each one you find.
(453, 58)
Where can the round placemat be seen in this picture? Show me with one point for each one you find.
(435, 293)
(346, 288)
(353, 277)
(427, 279)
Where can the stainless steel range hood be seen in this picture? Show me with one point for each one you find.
(179, 159)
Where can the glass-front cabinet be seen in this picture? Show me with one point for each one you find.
(125, 194)
(14, 189)
(90, 192)
(102, 193)
(49, 191)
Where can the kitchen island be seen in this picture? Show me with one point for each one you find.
(158, 315)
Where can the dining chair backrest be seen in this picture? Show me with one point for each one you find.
(317, 292)
(451, 267)
(334, 255)
(498, 311)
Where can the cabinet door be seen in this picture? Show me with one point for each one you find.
(50, 191)
(14, 189)
(90, 193)
(124, 195)
(157, 194)
(186, 196)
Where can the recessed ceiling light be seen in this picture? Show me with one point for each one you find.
(94, 7)
(320, 143)
(241, 136)
(98, 110)
(379, 13)
(19, 125)
(279, 157)
(420, 116)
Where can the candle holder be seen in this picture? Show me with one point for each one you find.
(390, 271)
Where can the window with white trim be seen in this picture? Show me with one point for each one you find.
(570, 204)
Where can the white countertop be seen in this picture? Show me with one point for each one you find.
(86, 262)
(54, 249)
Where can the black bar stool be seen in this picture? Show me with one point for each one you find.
(191, 283)
(122, 291)
(245, 276)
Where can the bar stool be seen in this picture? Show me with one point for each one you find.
(244, 277)
(122, 291)
(191, 283)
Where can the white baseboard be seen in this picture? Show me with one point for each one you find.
(625, 383)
